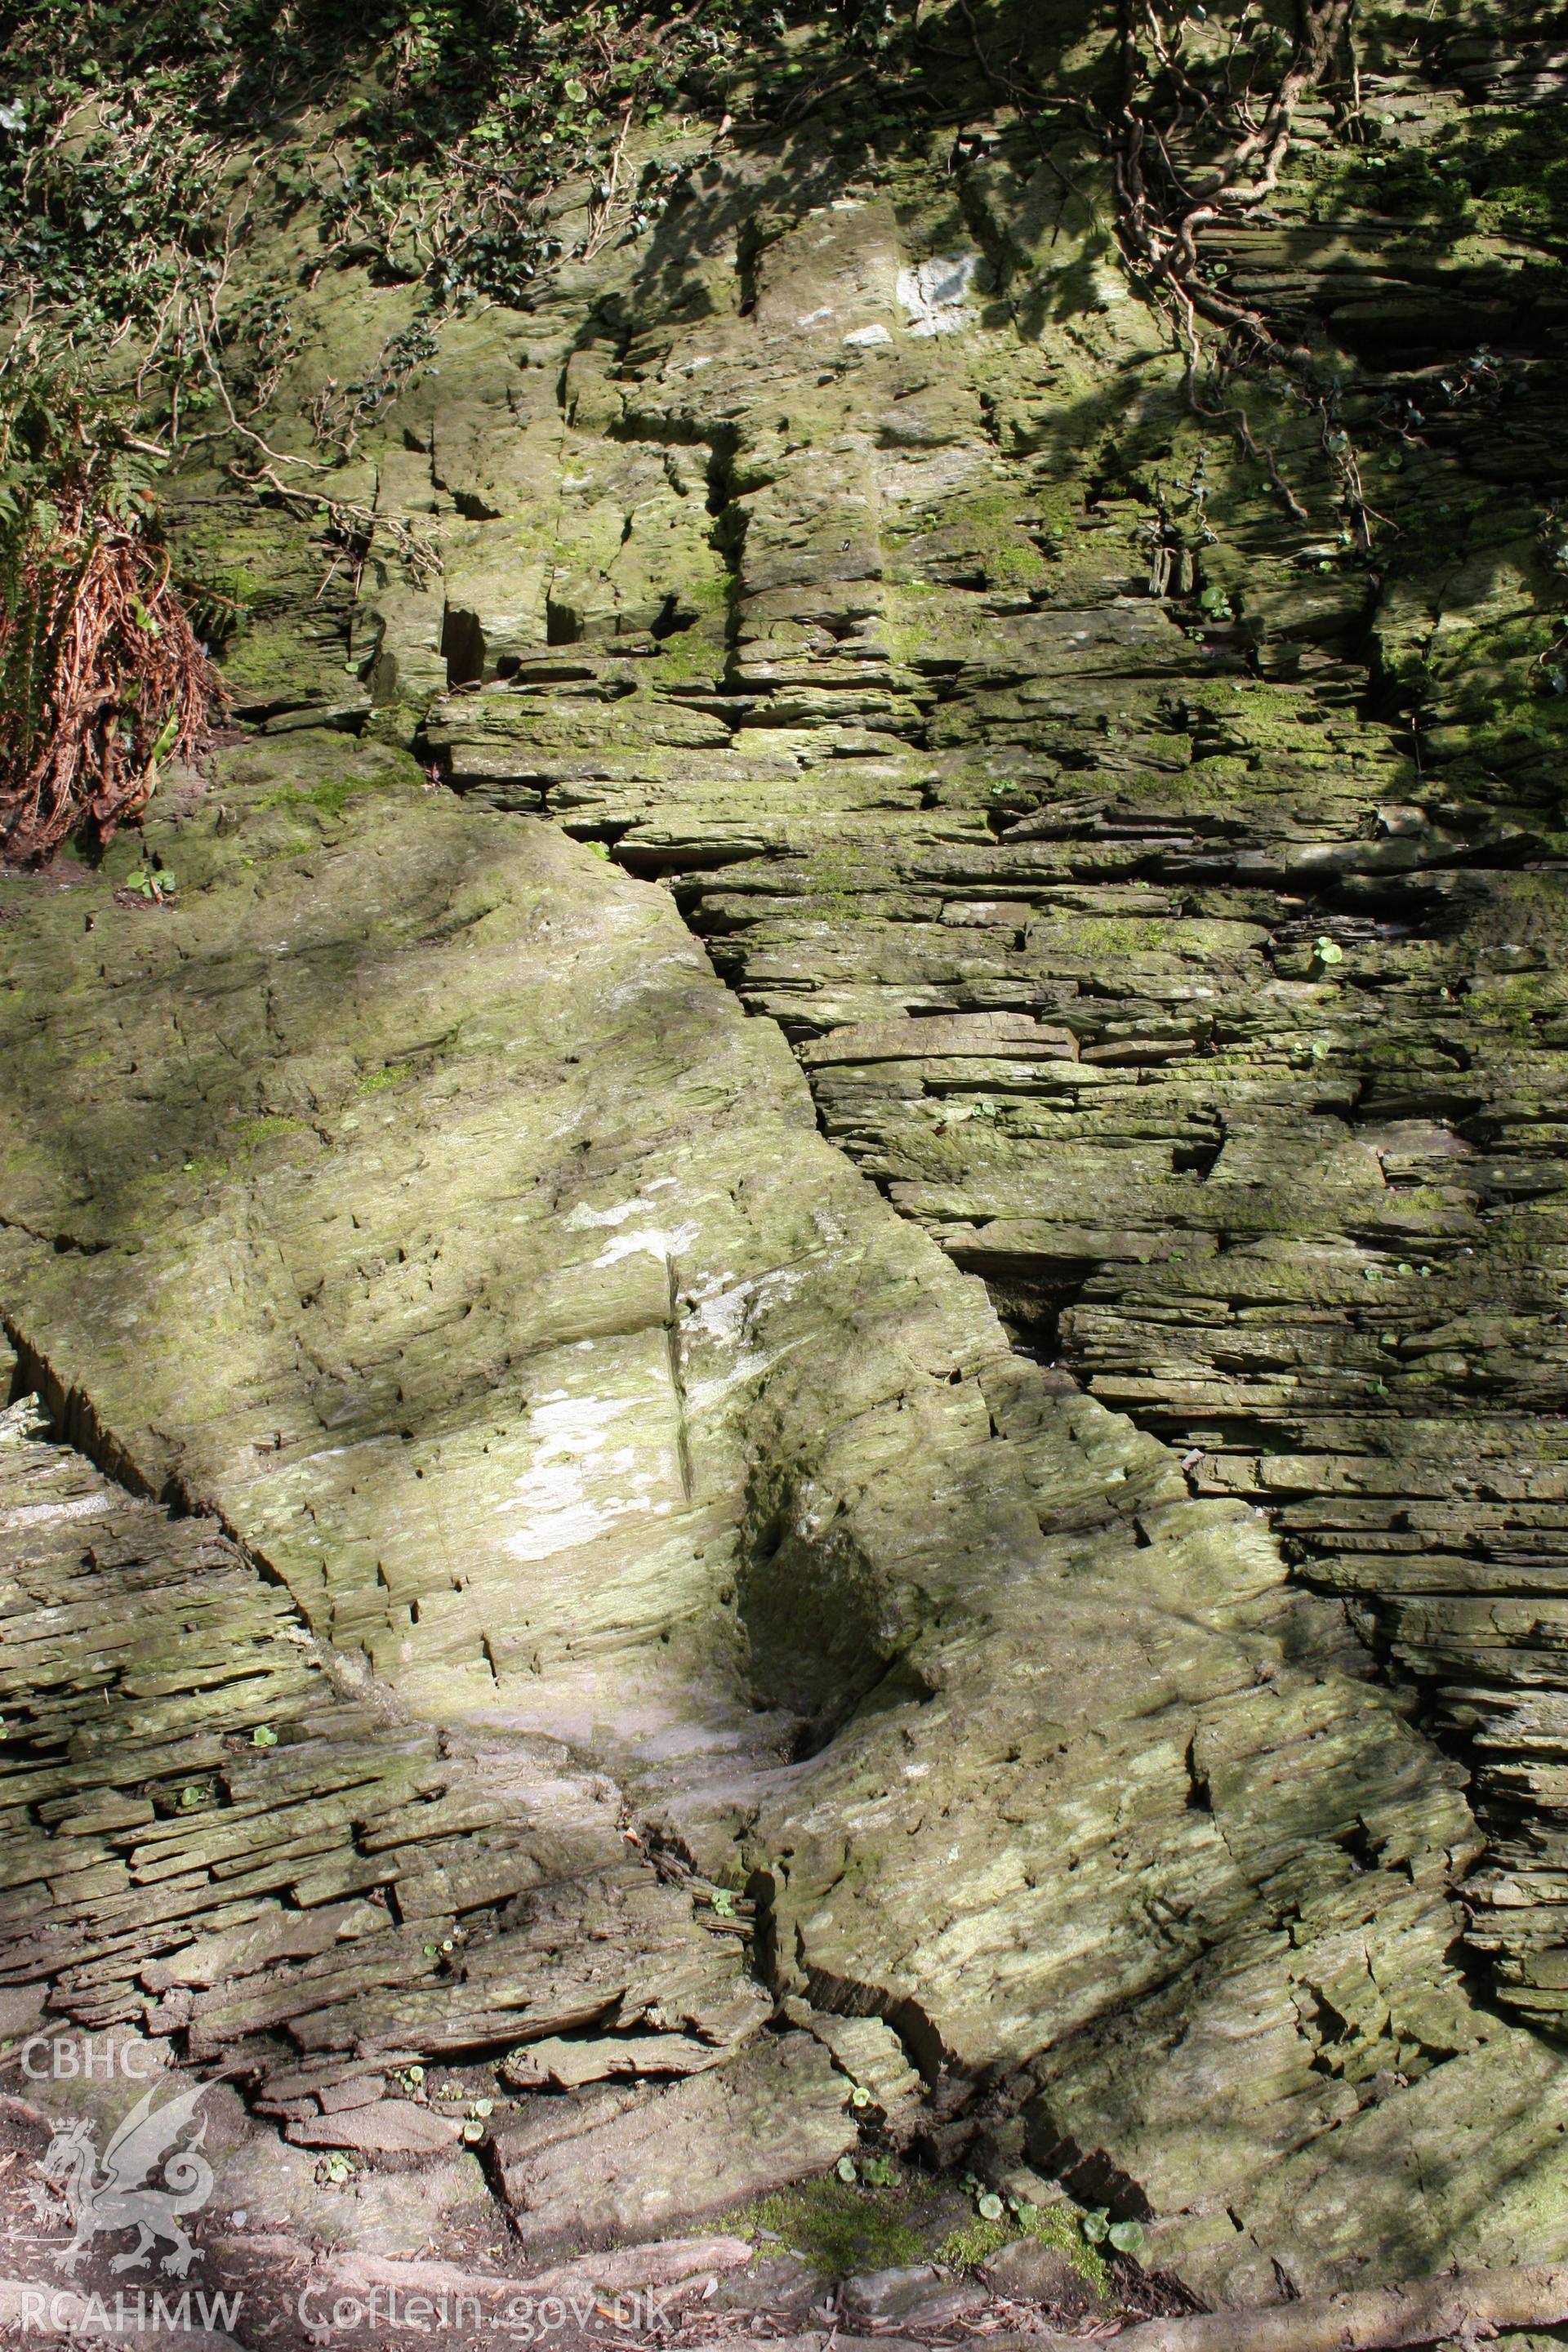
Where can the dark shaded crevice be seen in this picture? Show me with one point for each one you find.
(1029, 1309)
(901, 1685)
(677, 1381)
(839, 1996)
(1088, 2175)
(756, 236)
(820, 1649)
(471, 508)
(76, 1421)
(462, 647)
(63, 1245)
(1200, 1799)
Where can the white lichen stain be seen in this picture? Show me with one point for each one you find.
(572, 1459)
(933, 293)
(656, 1243)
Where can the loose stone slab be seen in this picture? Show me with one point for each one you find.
(613, 2162)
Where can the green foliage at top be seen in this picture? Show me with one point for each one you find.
(172, 171)
(422, 142)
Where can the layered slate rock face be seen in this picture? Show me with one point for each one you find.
(1213, 1021)
(609, 1392)
(246, 1836)
(248, 1852)
(412, 1196)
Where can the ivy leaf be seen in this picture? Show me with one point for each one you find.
(166, 736)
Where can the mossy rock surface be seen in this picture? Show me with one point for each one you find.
(1160, 1722)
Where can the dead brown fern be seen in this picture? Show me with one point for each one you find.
(101, 673)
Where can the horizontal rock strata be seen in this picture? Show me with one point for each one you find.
(1216, 1025)
(712, 1669)
(478, 1263)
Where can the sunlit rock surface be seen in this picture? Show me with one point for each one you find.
(551, 1280)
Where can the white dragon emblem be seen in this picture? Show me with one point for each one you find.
(121, 2196)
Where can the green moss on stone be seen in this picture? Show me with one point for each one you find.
(840, 2227)
(1049, 2225)
(252, 1133)
(330, 796)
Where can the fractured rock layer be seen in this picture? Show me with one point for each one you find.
(218, 1832)
(1023, 1748)
(411, 1200)
(1215, 1023)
